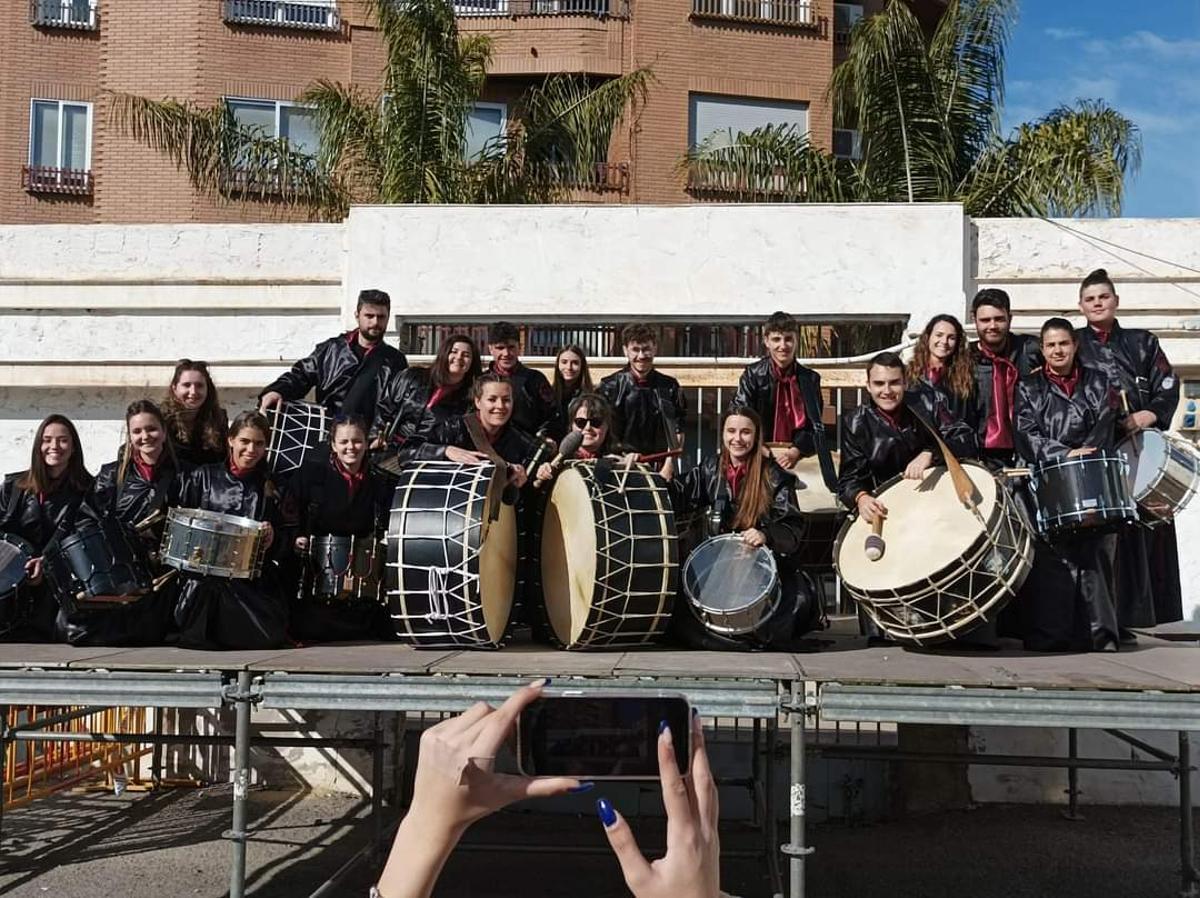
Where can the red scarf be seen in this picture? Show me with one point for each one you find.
(789, 408)
(999, 432)
(892, 418)
(935, 375)
(585, 454)
(735, 476)
(352, 338)
(1102, 336)
(146, 471)
(638, 380)
(237, 472)
(505, 370)
(439, 394)
(1068, 383)
(353, 481)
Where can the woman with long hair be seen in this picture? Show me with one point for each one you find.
(216, 612)
(745, 491)
(37, 505)
(571, 380)
(942, 365)
(417, 401)
(196, 423)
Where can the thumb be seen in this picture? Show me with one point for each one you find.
(634, 867)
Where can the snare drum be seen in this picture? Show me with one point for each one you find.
(947, 569)
(298, 430)
(101, 563)
(733, 587)
(212, 543)
(343, 569)
(451, 556)
(1164, 471)
(1088, 492)
(15, 553)
(610, 562)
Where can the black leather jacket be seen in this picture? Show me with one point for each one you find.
(1135, 363)
(533, 398)
(874, 451)
(513, 445)
(1050, 423)
(213, 488)
(318, 501)
(931, 398)
(1024, 352)
(21, 514)
(705, 486)
(757, 389)
(405, 398)
(643, 414)
(137, 498)
(331, 368)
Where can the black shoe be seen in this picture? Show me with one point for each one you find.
(1128, 637)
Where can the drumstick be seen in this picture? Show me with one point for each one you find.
(1015, 473)
(1129, 414)
(874, 546)
(659, 456)
(963, 485)
(624, 474)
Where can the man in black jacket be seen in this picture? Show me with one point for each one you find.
(533, 398)
(1148, 564)
(781, 390)
(349, 370)
(1001, 359)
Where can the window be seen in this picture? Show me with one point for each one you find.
(779, 12)
(60, 146)
(485, 122)
(63, 13)
(318, 14)
(845, 15)
(847, 143)
(271, 119)
(728, 116)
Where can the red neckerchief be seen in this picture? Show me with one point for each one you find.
(999, 432)
(1101, 335)
(503, 370)
(439, 394)
(935, 375)
(638, 380)
(892, 418)
(1066, 384)
(353, 481)
(789, 408)
(352, 338)
(144, 470)
(237, 472)
(584, 454)
(735, 475)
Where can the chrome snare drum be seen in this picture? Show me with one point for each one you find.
(343, 569)
(733, 587)
(1164, 471)
(208, 542)
(1088, 492)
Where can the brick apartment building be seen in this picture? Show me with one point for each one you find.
(717, 64)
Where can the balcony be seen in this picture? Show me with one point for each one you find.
(790, 13)
(43, 179)
(313, 15)
(79, 15)
(600, 9)
(605, 177)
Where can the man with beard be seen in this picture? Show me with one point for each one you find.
(348, 370)
(533, 398)
(1001, 359)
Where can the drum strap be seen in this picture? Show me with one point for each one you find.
(812, 408)
(963, 485)
(495, 490)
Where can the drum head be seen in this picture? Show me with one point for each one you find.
(812, 495)
(569, 556)
(1146, 454)
(724, 574)
(498, 570)
(927, 529)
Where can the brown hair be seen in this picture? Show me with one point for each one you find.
(781, 323)
(756, 495)
(37, 479)
(638, 332)
(439, 371)
(583, 384)
(340, 421)
(1057, 324)
(960, 373)
(489, 377)
(141, 407)
(211, 424)
(1099, 276)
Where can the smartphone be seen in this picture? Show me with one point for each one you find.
(596, 735)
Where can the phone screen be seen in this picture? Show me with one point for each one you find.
(601, 736)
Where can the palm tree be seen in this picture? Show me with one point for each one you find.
(405, 144)
(927, 108)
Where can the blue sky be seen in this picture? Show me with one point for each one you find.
(1143, 59)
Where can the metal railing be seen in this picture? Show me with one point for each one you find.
(603, 177)
(44, 179)
(710, 181)
(319, 15)
(76, 14)
(800, 13)
(614, 9)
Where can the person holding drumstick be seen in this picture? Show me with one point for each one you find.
(1149, 591)
(1068, 410)
(337, 495)
(215, 612)
(1001, 359)
(196, 424)
(591, 417)
(746, 491)
(571, 380)
(941, 372)
(784, 393)
(39, 504)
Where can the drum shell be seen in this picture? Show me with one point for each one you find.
(100, 558)
(741, 619)
(818, 539)
(1089, 492)
(343, 568)
(15, 552)
(214, 544)
(298, 430)
(1175, 480)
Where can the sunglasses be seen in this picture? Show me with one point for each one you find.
(581, 423)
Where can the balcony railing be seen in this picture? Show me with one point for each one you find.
(317, 15)
(76, 14)
(613, 9)
(603, 177)
(795, 13)
(43, 179)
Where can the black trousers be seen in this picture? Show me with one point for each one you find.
(317, 621)
(1068, 604)
(1162, 551)
(216, 613)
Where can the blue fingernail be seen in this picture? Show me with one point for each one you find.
(662, 727)
(608, 816)
(582, 787)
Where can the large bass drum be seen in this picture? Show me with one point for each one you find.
(947, 569)
(451, 556)
(610, 557)
(299, 430)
